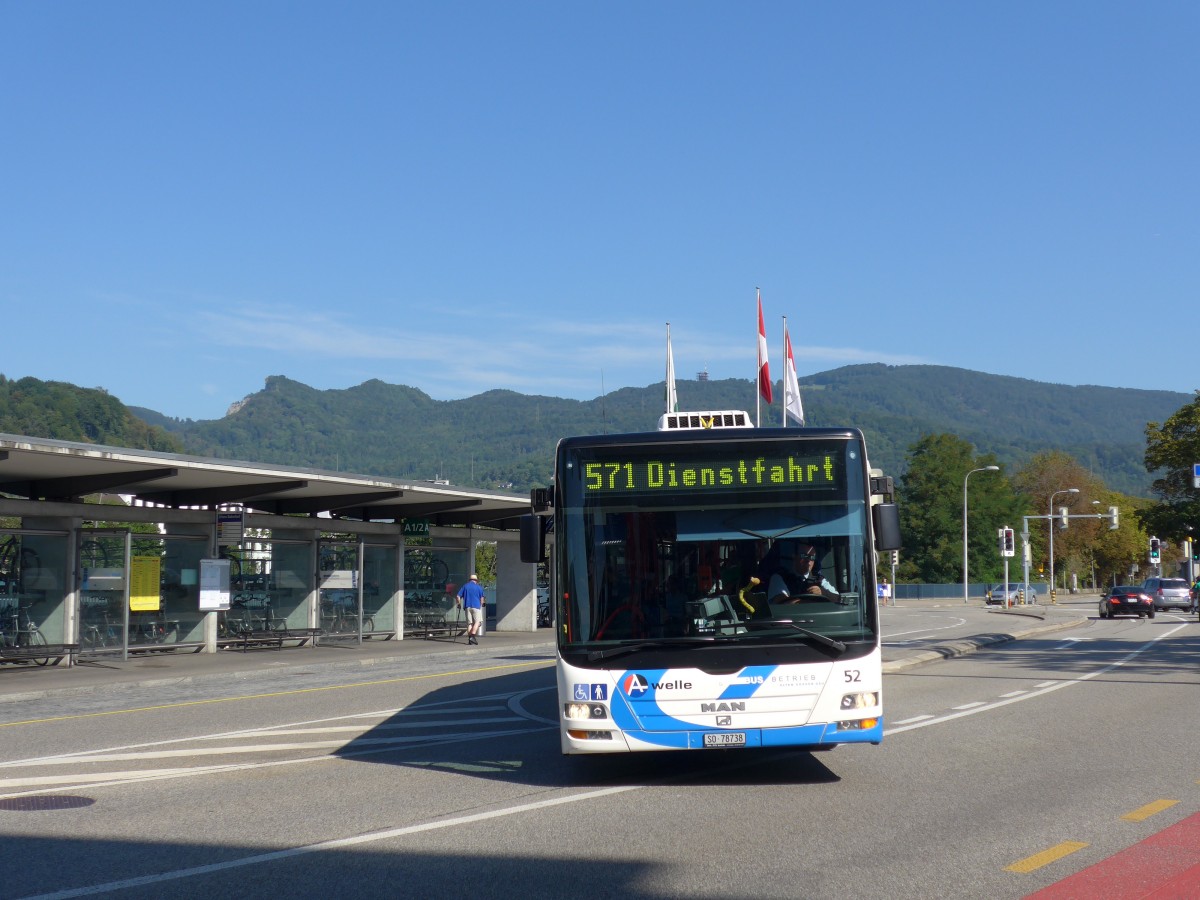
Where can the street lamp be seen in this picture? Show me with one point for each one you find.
(1050, 529)
(965, 563)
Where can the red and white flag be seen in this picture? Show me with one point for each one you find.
(791, 384)
(764, 370)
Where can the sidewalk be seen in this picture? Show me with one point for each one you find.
(27, 682)
(96, 674)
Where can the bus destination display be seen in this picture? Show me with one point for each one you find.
(731, 472)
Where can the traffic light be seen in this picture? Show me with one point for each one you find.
(1008, 542)
(1154, 547)
(1195, 551)
(895, 558)
(1063, 519)
(1112, 518)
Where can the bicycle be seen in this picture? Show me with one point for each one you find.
(15, 560)
(24, 634)
(423, 570)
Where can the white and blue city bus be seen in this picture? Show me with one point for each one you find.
(677, 625)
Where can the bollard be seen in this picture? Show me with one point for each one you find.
(1052, 600)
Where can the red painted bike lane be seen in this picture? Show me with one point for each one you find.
(1165, 866)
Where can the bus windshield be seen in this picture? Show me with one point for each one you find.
(739, 542)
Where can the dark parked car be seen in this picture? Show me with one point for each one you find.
(1126, 600)
(1168, 593)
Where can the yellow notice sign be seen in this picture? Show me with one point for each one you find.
(145, 573)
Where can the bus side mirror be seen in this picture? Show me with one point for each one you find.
(887, 526)
(533, 539)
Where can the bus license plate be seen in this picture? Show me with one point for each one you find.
(725, 739)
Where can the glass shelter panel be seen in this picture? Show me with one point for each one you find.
(432, 576)
(164, 596)
(268, 586)
(102, 596)
(380, 588)
(32, 585)
(340, 600)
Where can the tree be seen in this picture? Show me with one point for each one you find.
(1086, 545)
(931, 508)
(1172, 449)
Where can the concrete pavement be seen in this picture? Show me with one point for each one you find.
(26, 681)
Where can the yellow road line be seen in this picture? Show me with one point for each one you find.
(312, 690)
(1150, 809)
(1055, 853)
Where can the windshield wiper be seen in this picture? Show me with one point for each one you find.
(829, 642)
(621, 650)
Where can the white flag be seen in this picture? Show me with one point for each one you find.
(672, 397)
(791, 384)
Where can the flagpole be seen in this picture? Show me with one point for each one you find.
(672, 397)
(757, 365)
(784, 357)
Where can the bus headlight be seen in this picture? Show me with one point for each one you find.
(584, 711)
(861, 700)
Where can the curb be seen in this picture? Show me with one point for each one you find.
(952, 649)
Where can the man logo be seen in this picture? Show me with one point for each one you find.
(635, 684)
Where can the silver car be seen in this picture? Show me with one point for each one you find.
(1011, 595)
(1168, 593)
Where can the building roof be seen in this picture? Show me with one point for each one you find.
(44, 469)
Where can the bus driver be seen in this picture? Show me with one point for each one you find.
(796, 573)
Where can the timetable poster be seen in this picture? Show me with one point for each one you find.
(145, 573)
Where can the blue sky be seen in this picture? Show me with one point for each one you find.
(465, 196)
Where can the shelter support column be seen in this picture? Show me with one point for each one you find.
(516, 589)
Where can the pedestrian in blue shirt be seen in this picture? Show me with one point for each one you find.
(470, 598)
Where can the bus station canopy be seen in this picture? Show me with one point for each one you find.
(41, 469)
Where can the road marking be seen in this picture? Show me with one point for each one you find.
(354, 747)
(1014, 693)
(909, 721)
(1150, 809)
(311, 690)
(970, 705)
(1045, 687)
(1038, 860)
(336, 844)
(1164, 865)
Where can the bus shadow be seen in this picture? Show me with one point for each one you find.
(133, 868)
(506, 730)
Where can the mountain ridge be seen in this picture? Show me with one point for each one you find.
(501, 438)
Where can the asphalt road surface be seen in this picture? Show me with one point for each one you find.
(1024, 765)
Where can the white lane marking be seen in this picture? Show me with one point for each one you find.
(954, 623)
(1014, 694)
(138, 775)
(1044, 688)
(909, 721)
(380, 716)
(353, 748)
(971, 705)
(336, 844)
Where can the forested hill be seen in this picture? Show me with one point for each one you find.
(56, 409)
(500, 437)
(506, 439)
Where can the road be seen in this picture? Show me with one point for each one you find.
(1003, 772)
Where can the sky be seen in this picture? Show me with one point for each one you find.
(465, 196)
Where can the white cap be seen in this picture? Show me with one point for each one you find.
(474, 577)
